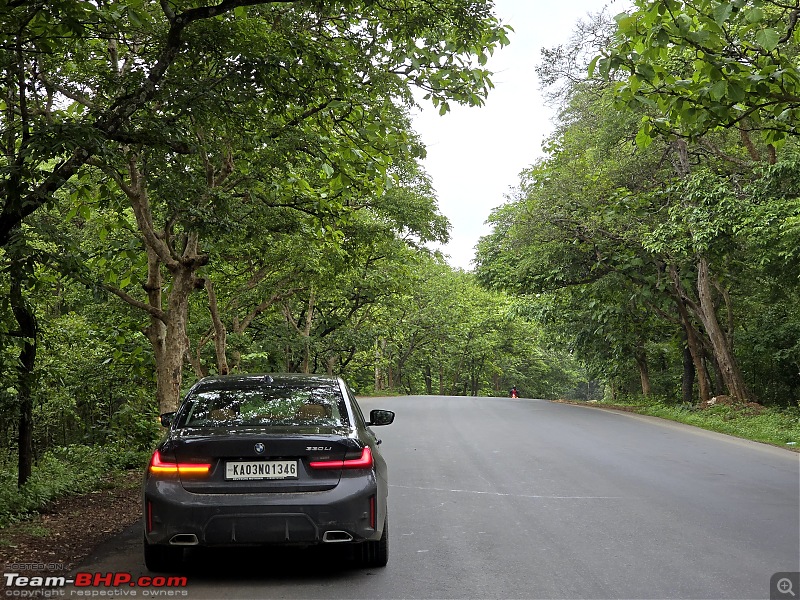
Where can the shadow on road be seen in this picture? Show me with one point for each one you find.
(270, 564)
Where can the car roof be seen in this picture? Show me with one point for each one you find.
(218, 382)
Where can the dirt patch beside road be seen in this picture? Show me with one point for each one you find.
(63, 534)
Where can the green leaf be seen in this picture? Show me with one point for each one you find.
(754, 15)
(137, 19)
(646, 71)
(736, 92)
(768, 39)
(718, 90)
(592, 66)
(722, 12)
(643, 139)
(698, 37)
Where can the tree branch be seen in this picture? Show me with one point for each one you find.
(158, 313)
(72, 95)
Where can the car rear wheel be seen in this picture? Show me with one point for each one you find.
(162, 559)
(376, 554)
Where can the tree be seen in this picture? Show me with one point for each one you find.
(701, 67)
(264, 63)
(78, 75)
(123, 86)
(706, 65)
(646, 205)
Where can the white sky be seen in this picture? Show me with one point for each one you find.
(476, 154)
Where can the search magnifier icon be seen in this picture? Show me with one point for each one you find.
(784, 586)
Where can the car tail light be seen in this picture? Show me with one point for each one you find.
(362, 462)
(158, 466)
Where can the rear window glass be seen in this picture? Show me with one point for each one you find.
(268, 405)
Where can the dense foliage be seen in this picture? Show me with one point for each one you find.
(658, 236)
(195, 188)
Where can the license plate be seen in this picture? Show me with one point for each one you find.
(261, 469)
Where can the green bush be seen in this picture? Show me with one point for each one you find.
(63, 470)
(136, 425)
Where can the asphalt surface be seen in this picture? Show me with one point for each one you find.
(502, 498)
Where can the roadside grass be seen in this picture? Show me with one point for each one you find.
(776, 426)
(61, 471)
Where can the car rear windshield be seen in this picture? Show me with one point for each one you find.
(269, 405)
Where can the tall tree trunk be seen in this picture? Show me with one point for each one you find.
(29, 332)
(378, 365)
(718, 381)
(693, 340)
(705, 308)
(305, 330)
(644, 371)
(16, 121)
(167, 335)
(731, 374)
(687, 380)
(170, 371)
(156, 332)
(330, 363)
(167, 329)
(220, 333)
(428, 379)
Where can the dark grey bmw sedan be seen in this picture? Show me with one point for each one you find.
(267, 460)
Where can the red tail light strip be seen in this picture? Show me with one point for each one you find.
(363, 462)
(161, 467)
(372, 514)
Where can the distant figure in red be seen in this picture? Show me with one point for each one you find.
(514, 393)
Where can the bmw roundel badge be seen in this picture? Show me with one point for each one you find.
(259, 448)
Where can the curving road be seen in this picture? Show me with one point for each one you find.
(501, 498)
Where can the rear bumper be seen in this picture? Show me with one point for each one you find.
(175, 516)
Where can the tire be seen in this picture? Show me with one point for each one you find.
(162, 559)
(376, 554)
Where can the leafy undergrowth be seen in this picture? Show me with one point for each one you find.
(59, 472)
(777, 426)
(70, 528)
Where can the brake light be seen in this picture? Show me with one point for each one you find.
(158, 466)
(362, 462)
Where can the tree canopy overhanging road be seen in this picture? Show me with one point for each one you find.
(198, 187)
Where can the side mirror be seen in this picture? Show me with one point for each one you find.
(380, 417)
(167, 418)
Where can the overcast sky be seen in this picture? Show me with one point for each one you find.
(476, 154)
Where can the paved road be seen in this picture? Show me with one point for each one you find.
(501, 498)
